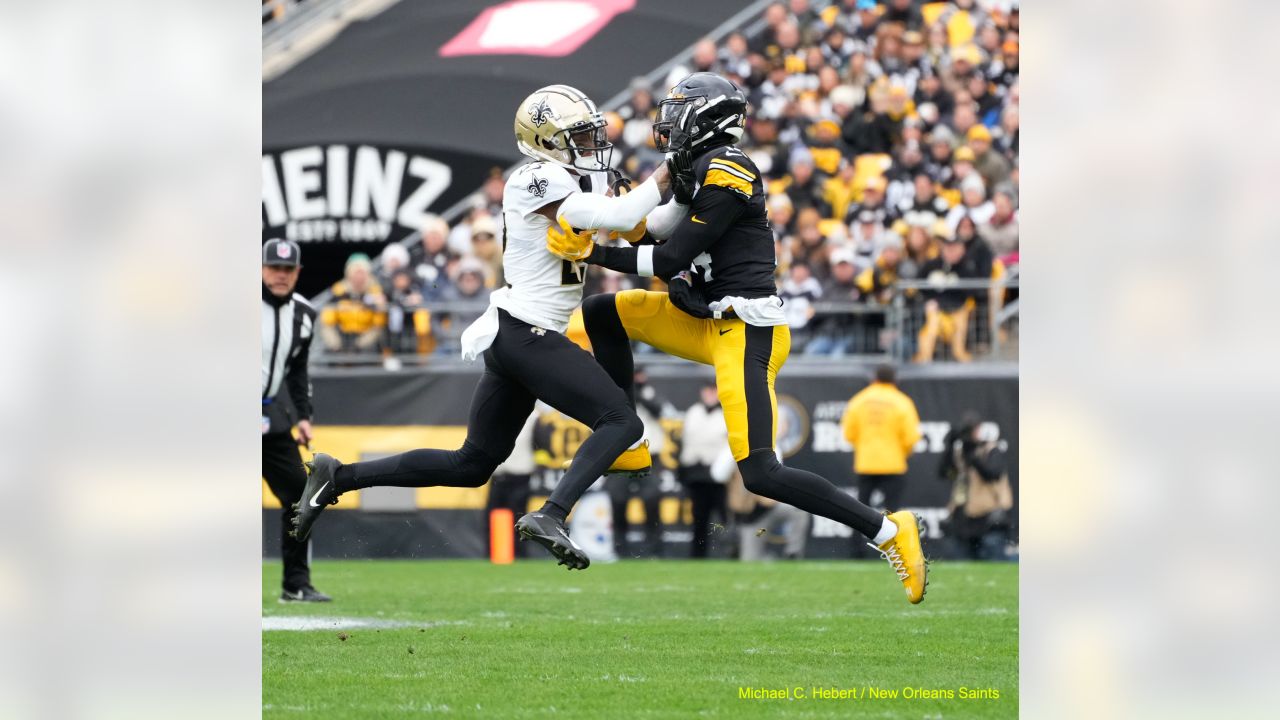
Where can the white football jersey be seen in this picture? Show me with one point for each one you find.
(545, 290)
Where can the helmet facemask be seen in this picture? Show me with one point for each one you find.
(588, 145)
(677, 116)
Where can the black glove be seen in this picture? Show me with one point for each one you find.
(683, 295)
(680, 165)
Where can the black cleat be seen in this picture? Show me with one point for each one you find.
(316, 494)
(551, 534)
(306, 593)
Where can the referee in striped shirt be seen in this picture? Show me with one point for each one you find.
(288, 322)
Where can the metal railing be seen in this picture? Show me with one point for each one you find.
(836, 333)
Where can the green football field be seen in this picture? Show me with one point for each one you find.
(642, 639)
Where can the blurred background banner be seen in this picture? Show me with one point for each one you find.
(408, 110)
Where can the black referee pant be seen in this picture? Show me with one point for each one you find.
(283, 471)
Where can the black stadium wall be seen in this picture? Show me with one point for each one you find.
(407, 112)
(370, 413)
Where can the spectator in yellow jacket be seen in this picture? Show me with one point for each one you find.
(883, 426)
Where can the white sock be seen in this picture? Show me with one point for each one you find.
(888, 529)
(637, 444)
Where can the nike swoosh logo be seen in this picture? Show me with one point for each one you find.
(725, 331)
(694, 218)
(568, 539)
(313, 502)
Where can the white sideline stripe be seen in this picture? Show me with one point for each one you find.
(303, 623)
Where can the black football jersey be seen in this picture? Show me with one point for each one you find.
(741, 262)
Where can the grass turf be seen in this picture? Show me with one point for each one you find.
(642, 639)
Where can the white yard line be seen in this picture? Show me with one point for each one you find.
(304, 623)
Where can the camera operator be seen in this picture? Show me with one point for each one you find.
(981, 496)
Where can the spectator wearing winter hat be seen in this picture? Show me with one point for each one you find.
(1001, 229)
(781, 215)
(431, 257)
(809, 246)
(408, 322)
(866, 20)
(802, 184)
(990, 164)
(485, 248)
(922, 246)
(842, 283)
(1003, 71)
(833, 334)
(823, 146)
(923, 206)
(799, 292)
(394, 258)
(872, 200)
(973, 202)
(947, 309)
(837, 47)
(866, 237)
(355, 317)
(877, 282)
(952, 176)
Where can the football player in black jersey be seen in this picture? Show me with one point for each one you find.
(721, 308)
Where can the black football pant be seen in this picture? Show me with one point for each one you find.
(282, 469)
(524, 364)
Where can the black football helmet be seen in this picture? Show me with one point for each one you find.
(701, 112)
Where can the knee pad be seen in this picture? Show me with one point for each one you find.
(475, 463)
(760, 472)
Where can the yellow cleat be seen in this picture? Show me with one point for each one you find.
(635, 461)
(905, 555)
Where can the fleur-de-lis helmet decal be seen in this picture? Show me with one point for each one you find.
(540, 112)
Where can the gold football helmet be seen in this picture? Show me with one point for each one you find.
(560, 125)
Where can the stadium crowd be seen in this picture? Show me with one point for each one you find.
(888, 133)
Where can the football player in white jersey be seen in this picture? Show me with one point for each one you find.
(521, 336)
